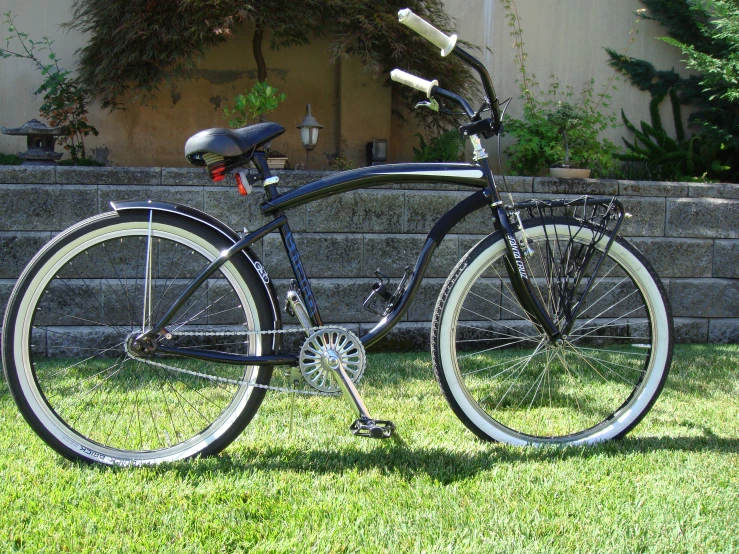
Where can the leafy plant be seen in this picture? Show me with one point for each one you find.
(667, 158)
(557, 127)
(707, 32)
(340, 163)
(252, 107)
(66, 100)
(447, 146)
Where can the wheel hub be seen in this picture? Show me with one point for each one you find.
(138, 347)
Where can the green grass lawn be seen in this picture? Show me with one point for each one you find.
(671, 486)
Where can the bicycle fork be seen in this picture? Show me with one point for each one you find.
(521, 277)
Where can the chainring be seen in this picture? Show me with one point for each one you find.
(326, 348)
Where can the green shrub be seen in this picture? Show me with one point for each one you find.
(10, 159)
(447, 146)
(254, 105)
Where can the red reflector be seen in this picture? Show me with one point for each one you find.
(217, 172)
(240, 185)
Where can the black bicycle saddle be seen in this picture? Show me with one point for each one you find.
(230, 143)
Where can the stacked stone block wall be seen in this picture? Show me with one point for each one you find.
(690, 233)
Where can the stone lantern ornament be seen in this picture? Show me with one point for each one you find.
(40, 141)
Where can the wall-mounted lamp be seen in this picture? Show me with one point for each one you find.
(309, 130)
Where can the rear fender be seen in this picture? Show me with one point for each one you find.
(228, 233)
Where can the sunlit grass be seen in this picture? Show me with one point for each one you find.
(672, 485)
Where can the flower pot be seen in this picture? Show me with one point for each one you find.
(569, 173)
(277, 163)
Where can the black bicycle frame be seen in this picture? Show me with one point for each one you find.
(478, 176)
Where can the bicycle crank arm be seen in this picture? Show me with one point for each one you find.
(364, 425)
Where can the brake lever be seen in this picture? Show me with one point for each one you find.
(432, 105)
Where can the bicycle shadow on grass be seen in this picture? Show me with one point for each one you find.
(439, 464)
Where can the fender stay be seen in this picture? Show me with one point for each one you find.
(227, 232)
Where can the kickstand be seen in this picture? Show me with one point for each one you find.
(292, 410)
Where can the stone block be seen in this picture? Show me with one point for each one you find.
(551, 185)
(704, 297)
(184, 176)
(424, 209)
(292, 179)
(46, 207)
(76, 342)
(690, 330)
(108, 175)
(714, 190)
(467, 243)
(323, 254)
(673, 257)
(723, 331)
(17, 249)
(192, 197)
(702, 218)
(726, 259)
(27, 174)
(422, 308)
(71, 302)
(392, 253)
(361, 211)
(238, 212)
(339, 300)
(652, 188)
(647, 217)
(6, 287)
(515, 184)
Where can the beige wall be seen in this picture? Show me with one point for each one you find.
(566, 38)
(563, 37)
(155, 135)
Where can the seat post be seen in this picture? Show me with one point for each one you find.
(260, 162)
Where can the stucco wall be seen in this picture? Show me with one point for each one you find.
(689, 232)
(563, 37)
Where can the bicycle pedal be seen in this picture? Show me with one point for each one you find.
(372, 428)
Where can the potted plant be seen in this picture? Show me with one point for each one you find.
(567, 118)
(561, 136)
(251, 108)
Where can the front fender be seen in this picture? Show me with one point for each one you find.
(227, 232)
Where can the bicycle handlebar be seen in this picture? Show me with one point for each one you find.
(428, 31)
(400, 76)
(447, 44)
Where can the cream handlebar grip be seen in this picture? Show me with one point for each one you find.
(427, 31)
(400, 76)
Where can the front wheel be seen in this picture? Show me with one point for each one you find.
(68, 341)
(507, 382)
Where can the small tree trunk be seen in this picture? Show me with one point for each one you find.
(258, 56)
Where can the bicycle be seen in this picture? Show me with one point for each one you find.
(151, 333)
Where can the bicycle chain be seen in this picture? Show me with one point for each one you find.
(236, 381)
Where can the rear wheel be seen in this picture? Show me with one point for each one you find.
(507, 382)
(69, 329)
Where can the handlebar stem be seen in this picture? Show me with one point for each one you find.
(487, 83)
